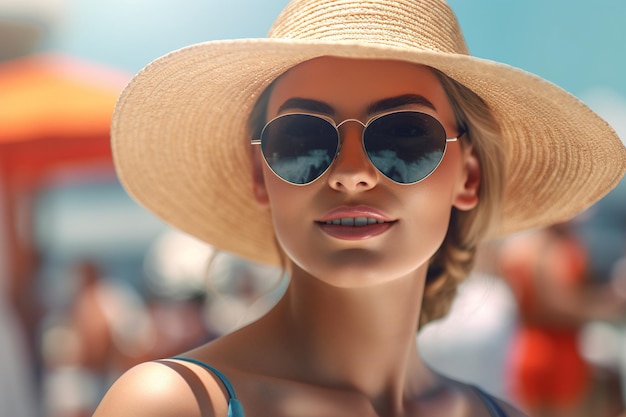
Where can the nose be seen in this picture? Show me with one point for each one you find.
(352, 170)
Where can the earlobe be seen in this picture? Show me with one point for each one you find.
(467, 195)
(258, 181)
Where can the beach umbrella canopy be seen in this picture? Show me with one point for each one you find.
(55, 110)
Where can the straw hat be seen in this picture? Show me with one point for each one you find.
(181, 146)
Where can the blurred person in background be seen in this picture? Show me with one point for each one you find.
(240, 292)
(603, 230)
(548, 271)
(18, 391)
(619, 275)
(105, 329)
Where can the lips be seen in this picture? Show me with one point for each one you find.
(355, 223)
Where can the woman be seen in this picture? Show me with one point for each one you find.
(363, 150)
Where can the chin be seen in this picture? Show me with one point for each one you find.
(357, 268)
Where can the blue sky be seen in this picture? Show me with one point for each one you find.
(579, 45)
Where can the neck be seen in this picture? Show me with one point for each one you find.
(356, 338)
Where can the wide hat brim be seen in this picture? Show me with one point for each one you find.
(182, 149)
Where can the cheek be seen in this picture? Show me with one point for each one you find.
(287, 205)
(426, 218)
(432, 201)
(277, 191)
(429, 218)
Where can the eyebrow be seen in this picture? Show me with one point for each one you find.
(374, 108)
(307, 104)
(399, 101)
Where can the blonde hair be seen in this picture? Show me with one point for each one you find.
(455, 258)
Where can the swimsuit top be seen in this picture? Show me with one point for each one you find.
(236, 410)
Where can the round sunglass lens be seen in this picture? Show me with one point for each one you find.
(405, 146)
(299, 148)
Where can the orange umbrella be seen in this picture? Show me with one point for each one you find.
(55, 110)
(55, 96)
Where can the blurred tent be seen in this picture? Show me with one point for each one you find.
(54, 110)
(55, 113)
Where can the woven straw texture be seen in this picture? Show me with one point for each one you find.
(182, 150)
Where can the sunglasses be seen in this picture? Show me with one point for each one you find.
(405, 146)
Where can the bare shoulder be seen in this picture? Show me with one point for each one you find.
(164, 388)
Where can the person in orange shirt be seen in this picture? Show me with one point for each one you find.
(547, 270)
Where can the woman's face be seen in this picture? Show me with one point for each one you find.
(414, 217)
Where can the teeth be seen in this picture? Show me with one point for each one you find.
(354, 221)
(360, 221)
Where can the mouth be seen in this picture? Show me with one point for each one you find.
(354, 221)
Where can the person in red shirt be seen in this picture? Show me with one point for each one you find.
(547, 270)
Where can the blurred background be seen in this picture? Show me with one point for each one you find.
(91, 283)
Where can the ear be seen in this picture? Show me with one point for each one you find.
(466, 197)
(258, 181)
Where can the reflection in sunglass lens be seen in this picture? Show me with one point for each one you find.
(405, 146)
(299, 147)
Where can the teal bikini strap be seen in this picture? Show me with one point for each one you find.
(234, 406)
(494, 408)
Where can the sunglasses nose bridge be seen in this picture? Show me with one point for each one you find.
(351, 168)
(350, 120)
(340, 136)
